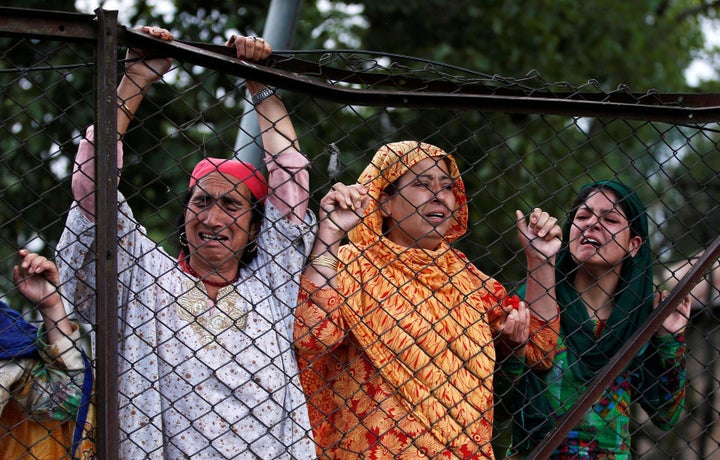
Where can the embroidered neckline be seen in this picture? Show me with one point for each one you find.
(192, 307)
(185, 266)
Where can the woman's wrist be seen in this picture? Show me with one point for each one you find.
(263, 94)
(326, 259)
(328, 236)
(537, 259)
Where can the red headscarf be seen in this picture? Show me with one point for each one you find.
(246, 172)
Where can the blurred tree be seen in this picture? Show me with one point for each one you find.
(510, 162)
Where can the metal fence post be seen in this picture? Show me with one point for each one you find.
(106, 224)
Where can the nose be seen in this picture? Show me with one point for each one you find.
(440, 192)
(212, 215)
(592, 222)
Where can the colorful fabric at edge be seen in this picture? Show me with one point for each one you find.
(413, 378)
(655, 379)
(50, 385)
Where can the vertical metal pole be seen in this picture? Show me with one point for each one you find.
(279, 30)
(106, 209)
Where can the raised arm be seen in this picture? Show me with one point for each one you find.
(341, 209)
(289, 180)
(540, 236)
(140, 73)
(37, 279)
(54, 391)
(318, 321)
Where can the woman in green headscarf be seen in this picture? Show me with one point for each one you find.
(605, 292)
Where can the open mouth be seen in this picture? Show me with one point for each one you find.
(436, 215)
(209, 237)
(591, 242)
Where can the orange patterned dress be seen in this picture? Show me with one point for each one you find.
(413, 378)
(398, 362)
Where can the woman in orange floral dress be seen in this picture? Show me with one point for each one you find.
(397, 332)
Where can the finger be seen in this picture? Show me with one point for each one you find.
(44, 266)
(252, 48)
(347, 197)
(656, 299)
(342, 195)
(686, 306)
(339, 200)
(165, 35)
(27, 260)
(508, 326)
(240, 43)
(660, 296)
(520, 221)
(157, 32)
(262, 49)
(17, 277)
(357, 194)
(542, 222)
(526, 323)
(537, 217)
(364, 202)
(548, 226)
(36, 264)
(555, 231)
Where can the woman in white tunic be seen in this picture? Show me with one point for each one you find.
(206, 359)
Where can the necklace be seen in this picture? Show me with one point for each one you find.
(185, 266)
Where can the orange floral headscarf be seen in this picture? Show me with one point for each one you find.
(390, 162)
(422, 318)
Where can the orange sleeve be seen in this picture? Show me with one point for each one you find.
(319, 325)
(542, 345)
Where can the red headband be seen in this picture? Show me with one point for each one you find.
(236, 168)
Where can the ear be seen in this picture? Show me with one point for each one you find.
(254, 230)
(385, 204)
(634, 245)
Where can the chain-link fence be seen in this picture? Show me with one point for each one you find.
(207, 380)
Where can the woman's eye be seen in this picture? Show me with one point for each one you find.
(200, 202)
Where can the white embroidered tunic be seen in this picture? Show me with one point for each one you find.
(201, 380)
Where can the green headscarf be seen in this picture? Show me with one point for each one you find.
(633, 301)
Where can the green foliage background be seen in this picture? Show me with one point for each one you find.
(509, 161)
(642, 45)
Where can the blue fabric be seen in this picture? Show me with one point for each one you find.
(84, 406)
(17, 336)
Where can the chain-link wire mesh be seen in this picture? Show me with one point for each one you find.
(219, 378)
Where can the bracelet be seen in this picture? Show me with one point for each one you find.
(324, 260)
(262, 95)
(126, 111)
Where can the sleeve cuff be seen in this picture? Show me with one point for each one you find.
(668, 344)
(63, 354)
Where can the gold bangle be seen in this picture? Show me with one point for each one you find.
(324, 260)
(126, 111)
